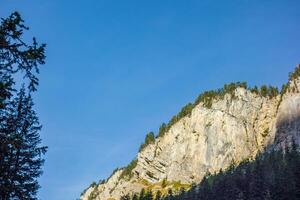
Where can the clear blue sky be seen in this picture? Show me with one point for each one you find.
(118, 69)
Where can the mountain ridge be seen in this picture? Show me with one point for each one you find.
(222, 127)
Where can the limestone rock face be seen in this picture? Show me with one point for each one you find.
(236, 127)
(288, 118)
(87, 193)
(210, 139)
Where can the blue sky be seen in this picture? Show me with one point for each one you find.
(118, 69)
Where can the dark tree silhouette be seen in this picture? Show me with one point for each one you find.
(20, 149)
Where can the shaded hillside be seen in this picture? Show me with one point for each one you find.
(273, 175)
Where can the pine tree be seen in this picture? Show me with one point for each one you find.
(258, 189)
(17, 56)
(142, 194)
(148, 195)
(292, 171)
(20, 150)
(264, 90)
(126, 197)
(271, 176)
(170, 194)
(135, 197)
(296, 171)
(158, 195)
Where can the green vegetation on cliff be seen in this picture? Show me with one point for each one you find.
(271, 176)
(149, 139)
(295, 74)
(127, 171)
(207, 98)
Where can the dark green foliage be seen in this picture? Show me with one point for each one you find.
(126, 197)
(94, 193)
(149, 139)
(264, 90)
(273, 92)
(271, 176)
(295, 74)
(20, 153)
(17, 56)
(229, 88)
(148, 195)
(164, 183)
(206, 98)
(255, 90)
(115, 170)
(135, 197)
(158, 195)
(284, 89)
(93, 184)
(185, 111)
(20, 150)
(269, 91)
(170, 194)
(142, 194)
(292, 76)
(127, 171)
(162, 130)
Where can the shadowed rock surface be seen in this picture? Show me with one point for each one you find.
(234, 128)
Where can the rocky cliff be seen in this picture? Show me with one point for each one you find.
(234, 127)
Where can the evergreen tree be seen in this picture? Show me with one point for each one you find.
(148, 195)
(295, 163)
(126, 197)
(271, 176)
(142, 194)
(135, 197)
(264, 90)
(158, 195)
(149, 139)
(20, 150)
(258, 188)
(17, 56)
(170, 194)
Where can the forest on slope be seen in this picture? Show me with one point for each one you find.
(273, 175)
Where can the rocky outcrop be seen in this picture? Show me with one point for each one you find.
(234, 128)
(288, 117)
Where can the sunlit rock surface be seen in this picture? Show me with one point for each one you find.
(235, 128)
